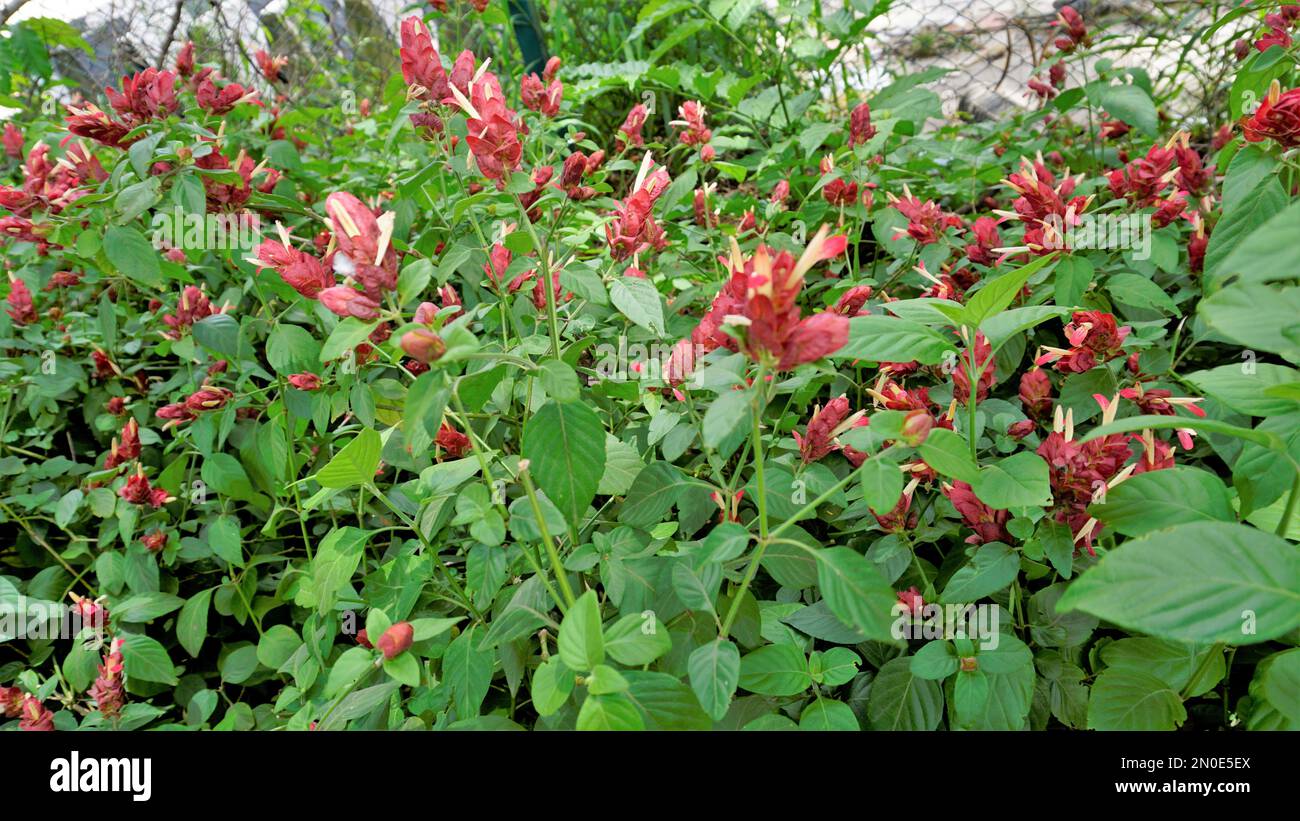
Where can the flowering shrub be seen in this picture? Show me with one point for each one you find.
(449, 411)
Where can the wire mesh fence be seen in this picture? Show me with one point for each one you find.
(992, 48)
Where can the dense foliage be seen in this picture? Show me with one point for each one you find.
(485, 404)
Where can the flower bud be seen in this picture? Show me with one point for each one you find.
(396, 640)
(423, 345)
(916, 427)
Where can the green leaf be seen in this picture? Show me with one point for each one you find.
(1256, 209)
(948, 453)
(1164, 498)
(1247, 393)
(637, 639)
(855, 592)
(998, 293)
(552, 684)
(993, 568)
(192, 623)
(727, 422)
(355, 464)
(828, 714)
(133, 255)
(1257, 316)
(560, 381)
(935, 661)
(1125, 699)
(900, 701)
(1173, 662)
(581, 643)
(1140, 292)
(565, 446)
(882, 484)
(1073, 276)
(881, 338)
(639, 301)
(147, 660)
(219, 333)
(655, 490)
(775, 670)
(714, 670)
(467, 668)
(1131, 104)
(1020, 480)
(224, 539)
(1196, 582)
(145, 607)
(609, 712)
(348, 334)
(336, 560)
(1268, 252)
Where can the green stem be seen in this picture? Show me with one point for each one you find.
(556, 565)
(1200, 669)
(1287, 512)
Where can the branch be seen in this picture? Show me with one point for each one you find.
(171, 34)
(11, 8)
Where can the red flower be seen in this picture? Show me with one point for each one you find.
(192, 306)
(780, 191)
(538, 95)
(984, 363)
(498, 261)
(1036, 393)
(985, 233)
(630, 130)
(218, 101)
(926, 221)
(860, 128)
(633, 229)
(299, 269)
(148, 95)
(989, 524)
(208, 399)
(451, 440)
(827, 423)
(13, 141)
(108, 691)
(138, 491)
(128, 449)
(93, 123)
(690, 118)
(271, 67)
(851, 301)
(840, 194)
(396, 640)
(911, 599)
(1277, 118)
(365, 252)
(571, 177)
(1094, 338)
(1074, 30)
(916, 427)
(155, 541)
(423, 345)
(761, 295)
(35, 718)
(11, 702)
(185, 59)
(21, 309)
(305, 381)
(421, 65)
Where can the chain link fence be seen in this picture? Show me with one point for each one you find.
(991, 47)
